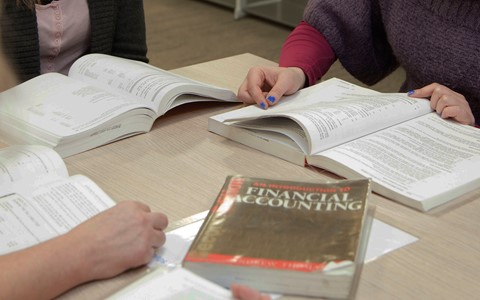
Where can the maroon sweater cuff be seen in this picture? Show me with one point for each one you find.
(307, 49)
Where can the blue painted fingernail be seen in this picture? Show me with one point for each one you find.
(411, 92)
(262, 105)
(271, 99)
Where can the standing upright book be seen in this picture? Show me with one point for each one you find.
(103, 99)
(287, 237)
(412, 155)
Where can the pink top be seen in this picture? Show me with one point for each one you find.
(63, 32)
(307, 49)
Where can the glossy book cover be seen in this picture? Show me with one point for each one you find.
(283, 225)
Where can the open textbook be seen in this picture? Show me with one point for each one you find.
(103, 99)
(39, 200)
(176, 284)
(412, 155)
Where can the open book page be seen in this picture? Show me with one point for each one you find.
(53, 106)
(21, 166)
(51, 209)
(330, 113)
(152, 87)
(179, 284)
(423, 162)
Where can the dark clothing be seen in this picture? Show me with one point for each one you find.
(117, 28)
(433, 40)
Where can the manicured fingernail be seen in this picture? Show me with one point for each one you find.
(411, 92)
(271, 99)
(263, 106)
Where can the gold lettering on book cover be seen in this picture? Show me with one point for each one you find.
(282, 220)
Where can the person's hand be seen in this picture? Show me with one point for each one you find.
(448, 103)
(266, 85)
(242, 292)
(120, 238)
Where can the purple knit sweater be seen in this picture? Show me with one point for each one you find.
(433, 40)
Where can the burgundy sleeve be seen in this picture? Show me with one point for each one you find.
(307, 49)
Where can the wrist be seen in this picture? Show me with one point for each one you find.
(77, 256)
(300, 77)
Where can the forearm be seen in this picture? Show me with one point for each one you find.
(307, 49)
(43, 271)
(122, 237)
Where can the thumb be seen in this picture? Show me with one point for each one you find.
(274, 95)
(282, 87)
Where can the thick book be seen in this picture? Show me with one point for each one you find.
(286, 237)
(103, 99)
(38, 198)
(412, 155)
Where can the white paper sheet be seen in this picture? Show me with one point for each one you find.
(383, 239)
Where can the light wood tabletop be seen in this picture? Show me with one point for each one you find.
(179, 167)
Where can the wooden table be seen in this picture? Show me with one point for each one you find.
(179, 167)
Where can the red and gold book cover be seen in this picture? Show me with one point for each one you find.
(283, 225)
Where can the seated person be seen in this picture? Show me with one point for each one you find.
(42, 36)
(120, 238)
(372, 38)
